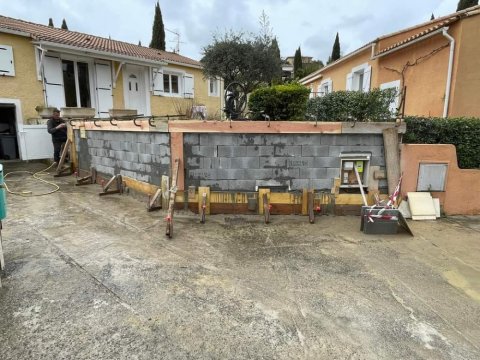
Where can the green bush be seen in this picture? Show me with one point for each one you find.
(464, 133)
(353, 106)
(280, 102)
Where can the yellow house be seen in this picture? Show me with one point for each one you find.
(44, 67)
(435, 66)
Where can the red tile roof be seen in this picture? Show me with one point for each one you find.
(85, 41)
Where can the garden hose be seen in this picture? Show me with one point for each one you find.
(35, 175)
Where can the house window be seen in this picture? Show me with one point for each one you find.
(76, 84)
(395, 103)
(359, 78)
(325, 87)
(171, 84)
(6, 61)
(213, 87)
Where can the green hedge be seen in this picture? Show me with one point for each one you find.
(360, 106)
(280, 102)
(464, 133)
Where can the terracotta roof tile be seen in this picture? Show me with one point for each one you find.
(85, 41)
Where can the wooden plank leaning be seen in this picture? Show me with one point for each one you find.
(171, 202)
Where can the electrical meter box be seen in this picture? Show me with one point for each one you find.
(348, 163)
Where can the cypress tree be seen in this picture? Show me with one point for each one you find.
(275, 51)
(297, 63)
(50, 22)
(158, 31)
(464, 4)
(64, 25)
(432, 18)
(336, 49)
(139, 43)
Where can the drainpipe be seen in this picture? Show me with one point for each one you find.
(450, 70)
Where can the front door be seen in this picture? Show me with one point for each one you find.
(134, 79)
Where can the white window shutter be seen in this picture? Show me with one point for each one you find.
(7, 67)
(349, 84)
(188, 81)
(319, 90)
(330, 86)
(103, 72)
(367, 75)
(53, 81)
(157, 82)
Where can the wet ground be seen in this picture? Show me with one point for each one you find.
(95, 278)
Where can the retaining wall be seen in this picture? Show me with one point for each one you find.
(243, 162)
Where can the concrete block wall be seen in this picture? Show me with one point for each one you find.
(243, 162)
(139, 155)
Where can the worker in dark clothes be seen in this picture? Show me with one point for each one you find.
(58, 128)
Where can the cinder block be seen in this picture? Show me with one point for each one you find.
(219, 139)
(131, 136)
(260, 150)
(161, 138)
(273, 162)
(145, 138)
(246, 139)
(361, 139)
(138, 167)
(192, 162)
(276, 140)
(378, 139)
(258, 174)
(206, 151)
(215, 185)
(145, 158)
(326, 162)
(334, 139)
(230, 174)
(314, 150)
(333, 173)
(288, 150)
(140, 148)
(142, 177)
(245, 163)
(191, 139)
(111, 153)
(202, 174)
(121, 155)
(232, 151)
(132, 157)
(209, 163)
(307, 139)
(126, 146)
(224, 163)
(320, 173)
(241, 185)
(299, 184)
(377, 161)
(126, 165)
(98, 143)
(300, 162)
(115, 145)
(322, 184)
(149, 149)
(286, 173)
(163, 160)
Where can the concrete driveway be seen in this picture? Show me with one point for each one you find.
(95, 278)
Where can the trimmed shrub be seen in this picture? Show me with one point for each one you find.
(280, 102)
(353, 106)
(464, 133)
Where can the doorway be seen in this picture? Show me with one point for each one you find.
(8, 133)
(135, 89)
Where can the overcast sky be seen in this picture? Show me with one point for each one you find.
(310, 24)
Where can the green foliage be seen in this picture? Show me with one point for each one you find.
(245, 59)
(352, 106)
(158, 30)
(298, 64)
(280, 102)
(464, 4)
(464, 133)
(335, 50)
(64, 25)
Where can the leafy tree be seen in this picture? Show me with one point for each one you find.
(464, 4)
(158, 31)
(248, 59)
(432, 17)
(64, 25)
(335, 50)
(50, 22)
(311, 67)
(298, 64)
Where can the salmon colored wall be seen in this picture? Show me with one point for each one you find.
(164, 105)
(338, 73)
(24, 85)
(465, 97)
(425, 81)
(462, 187)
